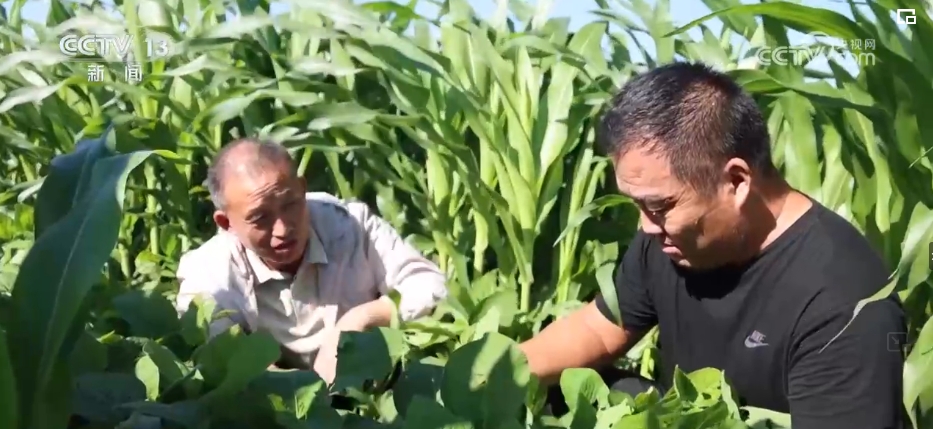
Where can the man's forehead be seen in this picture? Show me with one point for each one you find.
(652, 192)
(645, 195)
(254, 190)
(643, 159)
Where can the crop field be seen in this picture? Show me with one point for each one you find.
(473, 137)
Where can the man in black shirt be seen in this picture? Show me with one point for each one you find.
(740, 271)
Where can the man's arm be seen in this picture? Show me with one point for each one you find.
(584, 339)
(856, 380)
(401, 267)
(589, 337)
(374, 313)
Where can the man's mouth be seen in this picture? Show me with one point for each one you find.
(670, 249)
(285, 245)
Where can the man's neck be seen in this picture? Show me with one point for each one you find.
(783, 206)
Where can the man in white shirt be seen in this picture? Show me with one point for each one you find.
(301, 266)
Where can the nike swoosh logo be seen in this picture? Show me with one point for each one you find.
(752, 344)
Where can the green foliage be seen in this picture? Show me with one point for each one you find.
(474, 138)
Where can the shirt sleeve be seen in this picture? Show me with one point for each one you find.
(400, 266)
(636, 306)
(853, 380)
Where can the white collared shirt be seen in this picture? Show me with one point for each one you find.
(353, 257)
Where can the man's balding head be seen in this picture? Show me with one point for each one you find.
(245, 157)
(261, 200)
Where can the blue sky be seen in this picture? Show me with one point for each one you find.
(682, 12)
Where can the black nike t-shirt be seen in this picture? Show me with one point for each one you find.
(770, 323)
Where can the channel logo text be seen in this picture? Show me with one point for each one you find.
(114, 47)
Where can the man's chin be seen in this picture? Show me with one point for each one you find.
(279, 259)
(681, 262)
(693, 265)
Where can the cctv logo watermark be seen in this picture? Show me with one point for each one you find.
(114, 47)
(906, 16)
(818, 45)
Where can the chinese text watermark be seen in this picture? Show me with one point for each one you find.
(114, 47)
(820, 45)
(132, 73)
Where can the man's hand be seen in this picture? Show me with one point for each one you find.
(325, 364)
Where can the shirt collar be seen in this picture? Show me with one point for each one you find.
(314, 255)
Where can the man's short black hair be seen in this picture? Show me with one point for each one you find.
(257, 155)
(695, 117)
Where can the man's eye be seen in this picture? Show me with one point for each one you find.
(657, 211)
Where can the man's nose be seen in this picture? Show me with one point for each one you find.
(280, 228)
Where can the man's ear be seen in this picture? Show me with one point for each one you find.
(740, 180)
(221, 219)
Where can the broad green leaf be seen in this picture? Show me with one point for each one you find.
(915, 257)
(56, 405)
(196, 321)
(88, 355)
(421, 378)
(369, 355)
(706, 380)
(238, 28)
(590, 210)
(170, 368)
(488, 324)
(315, 65)
(583, 384)
(30, 95)
(427, 414)
(762, 418)
(327, 116)
(486, 380)
(148, 373)
(646, 420)
(302, 394)
(607, 290)
(685, 389)
(230, 108)
(185, 413)
(149, 315)
(68, 182)
(59, 271)
(505, 302)
(918, 371)
(729, 396)
(97, 397)
(212, 356)
(250, 356)
(799, 17)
